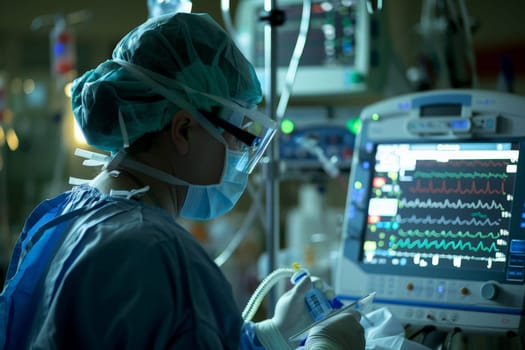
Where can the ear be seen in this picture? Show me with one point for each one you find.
(180, 124)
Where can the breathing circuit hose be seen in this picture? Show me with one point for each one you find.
(262, 290)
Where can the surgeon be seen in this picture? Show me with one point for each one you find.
(106, 265)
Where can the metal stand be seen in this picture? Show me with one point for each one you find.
(274, 18)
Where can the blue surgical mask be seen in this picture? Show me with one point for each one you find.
(202, 201)
(205, 202)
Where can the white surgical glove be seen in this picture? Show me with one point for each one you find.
(341, 332)
(291, 316)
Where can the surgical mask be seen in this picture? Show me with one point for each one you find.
(202, 202)
(205, 202)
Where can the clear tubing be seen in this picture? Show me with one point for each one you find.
(243, 230)
(262, 290)
(291, 73)
(226, 17)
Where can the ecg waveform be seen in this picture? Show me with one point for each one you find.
(449, 204)
(444, 244)
(429, 220)
(459, 175)
(459, 188)
(448, 234)
(465, 163)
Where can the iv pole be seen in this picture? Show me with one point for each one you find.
(274, 18)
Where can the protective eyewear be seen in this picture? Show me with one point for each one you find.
(244, 136)
(251, 136)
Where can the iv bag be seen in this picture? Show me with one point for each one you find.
(162, 7)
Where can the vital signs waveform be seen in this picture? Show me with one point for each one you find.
(465, 163)
(429, 220)
(459, 175)
(408, 243)
(448, 204)
(460, 188)
(448, 234)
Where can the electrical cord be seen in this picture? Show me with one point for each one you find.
(329, 164)
(423, 330)
(447, 345)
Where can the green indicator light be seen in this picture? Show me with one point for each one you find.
(357, 78)
(358, 185)
(375, 116)
(354, 125)
(287, 126)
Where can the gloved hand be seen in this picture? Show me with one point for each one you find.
(341, 332)
(291, 316)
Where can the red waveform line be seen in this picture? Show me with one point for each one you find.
(458, 189)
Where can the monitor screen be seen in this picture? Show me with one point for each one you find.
(441, 206)
(434, 221)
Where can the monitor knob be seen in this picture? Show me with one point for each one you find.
(489, 290)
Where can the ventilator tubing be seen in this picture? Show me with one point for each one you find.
(262, 290)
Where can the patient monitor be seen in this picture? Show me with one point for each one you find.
(435, 212)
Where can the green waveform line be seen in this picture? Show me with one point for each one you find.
(457, 175)
(447, 234)
(443, 244)
(479, 215)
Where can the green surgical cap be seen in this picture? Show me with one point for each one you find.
(191, 49)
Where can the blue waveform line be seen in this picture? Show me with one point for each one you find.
(429, 220)
(458, 204)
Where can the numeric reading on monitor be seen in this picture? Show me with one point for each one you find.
(441, 205)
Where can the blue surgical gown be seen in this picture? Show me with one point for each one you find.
(112, 273)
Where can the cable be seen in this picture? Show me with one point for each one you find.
(425, 329)
(226, 17)
(291, 73)
(243, 230)
(447, 345)
(280, 111)
(470, 47)
(373, 6)
(329, 165)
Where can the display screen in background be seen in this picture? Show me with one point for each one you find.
(441, 205)
(331, 36)
(440, 110)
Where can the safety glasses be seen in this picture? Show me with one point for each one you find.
(242, 133)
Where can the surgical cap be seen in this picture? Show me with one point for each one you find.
(191, 49)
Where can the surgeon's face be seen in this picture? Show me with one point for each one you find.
(208, 158)
(198, 155)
